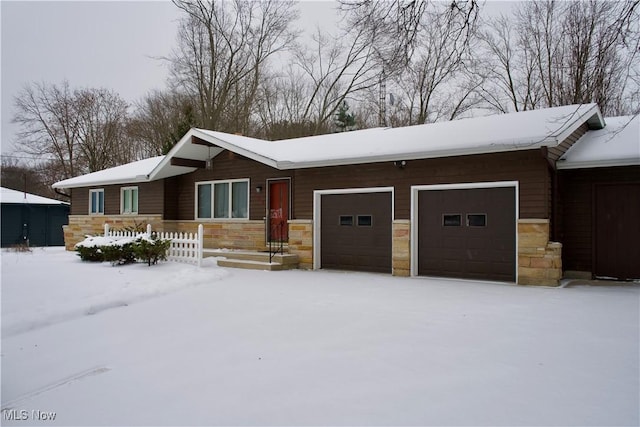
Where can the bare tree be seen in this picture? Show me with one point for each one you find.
(223, 48)
(336, 68)
(50, 125)
(557, 53)
(79, 131)
(102, 115)
(281, 104)
(160, 119)
(395, 25)
(21, 177)
(437, 83)
(511, 80)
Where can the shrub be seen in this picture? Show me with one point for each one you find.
(89, 253)
(118, 254)
(151, 250)
(20, 247)
(123, 250)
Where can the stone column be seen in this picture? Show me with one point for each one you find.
(301, 241)
(401, 248)
(539, 260)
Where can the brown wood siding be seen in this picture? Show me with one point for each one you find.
(79, 201)
(576, 211)
(175, 197)
(527, 167)
(171, 191)
(554, 153)
(150, 198)
(228, 165)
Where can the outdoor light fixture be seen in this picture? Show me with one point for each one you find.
(400, 163)
(209, 161)
(258, 189)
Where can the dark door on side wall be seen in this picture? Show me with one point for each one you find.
(467, 233)
(617, 231)
(356, 231)
(278, 210)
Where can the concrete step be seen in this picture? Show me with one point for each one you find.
(255, 265)
(253, 259)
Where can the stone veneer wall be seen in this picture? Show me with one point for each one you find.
(539, 260)
(83, 225)
(236, 234)
(301, 241)
(401, 248)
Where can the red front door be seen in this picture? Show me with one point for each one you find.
(278, 210)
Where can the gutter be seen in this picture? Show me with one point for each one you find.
(62, 193)
(564, 165)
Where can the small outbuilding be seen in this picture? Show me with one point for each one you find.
(32, 220)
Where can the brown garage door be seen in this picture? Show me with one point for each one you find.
(356, 232)
(617, 223)
(467, 233)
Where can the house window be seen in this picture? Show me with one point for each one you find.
(128, 200)
(222, 199)
(96, 202)
(204, 201)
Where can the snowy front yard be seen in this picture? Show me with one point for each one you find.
(172, 344)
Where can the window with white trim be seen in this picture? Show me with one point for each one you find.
(222, 199)
(96, 202)
(128, 200)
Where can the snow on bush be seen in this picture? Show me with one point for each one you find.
(123, 250)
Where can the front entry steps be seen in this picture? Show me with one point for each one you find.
(253, 260)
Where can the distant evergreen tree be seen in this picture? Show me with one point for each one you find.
(345, 121)
(184, 120)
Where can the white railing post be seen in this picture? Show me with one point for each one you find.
(106, 229)
(149, 230)
(200, 244)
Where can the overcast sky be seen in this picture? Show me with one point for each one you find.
(107, 44)
(96, 44)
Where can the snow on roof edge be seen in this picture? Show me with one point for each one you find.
(276, 157)
(599, 164)
(617, 144)
(137, 171)
(10, 196)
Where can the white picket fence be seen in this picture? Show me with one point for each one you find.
(185, 247)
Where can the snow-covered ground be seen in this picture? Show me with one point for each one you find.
(176, 345)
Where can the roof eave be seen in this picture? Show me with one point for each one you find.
(167, 158)
(564, 165)
(236, 149)
(592, 117)
(501, 148)
(138, 179)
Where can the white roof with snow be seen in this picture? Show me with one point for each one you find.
(504, 132)
(12, 196)
(489, 134)
(131, 172)
(618, 144)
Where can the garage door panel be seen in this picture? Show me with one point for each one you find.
(467, 233)
(365, 243)
(479, 243)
